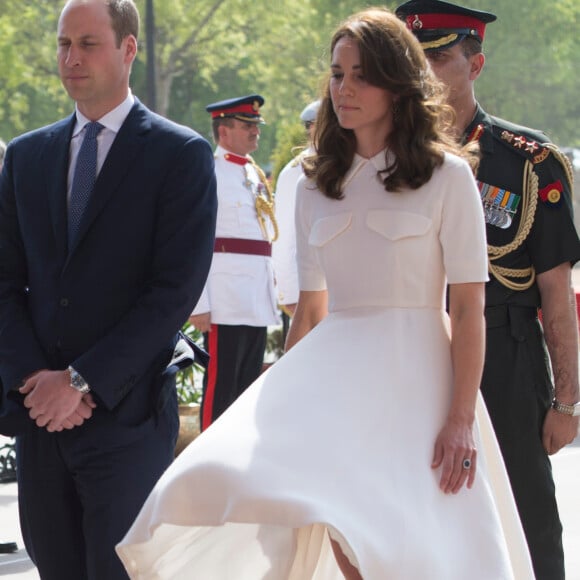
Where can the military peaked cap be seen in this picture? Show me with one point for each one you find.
(439, 25)
(243, 108)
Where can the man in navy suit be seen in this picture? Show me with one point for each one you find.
(88, 324)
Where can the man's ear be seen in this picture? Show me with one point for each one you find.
(477, 63)
(222, 131)
(130, 48)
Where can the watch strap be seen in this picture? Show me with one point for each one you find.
(566, 408)
(77, 382)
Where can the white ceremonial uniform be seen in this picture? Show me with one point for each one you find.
(240, 287)
(284, 250)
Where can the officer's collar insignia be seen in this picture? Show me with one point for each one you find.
(499, 205)
(552, 193)
(537, 151)
(237, 159)
(476, 133)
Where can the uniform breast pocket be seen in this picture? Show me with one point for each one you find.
(329, 228)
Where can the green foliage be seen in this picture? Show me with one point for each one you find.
(208, 50)
(291, 140)
(189, 380)
(274, 344)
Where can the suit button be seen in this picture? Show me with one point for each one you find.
(64, 302)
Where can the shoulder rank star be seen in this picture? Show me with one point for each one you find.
(552, 193)
(529, 146)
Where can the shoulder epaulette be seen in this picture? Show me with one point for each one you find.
(529, 143)
(535, 151)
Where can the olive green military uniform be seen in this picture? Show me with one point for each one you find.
(526, 191)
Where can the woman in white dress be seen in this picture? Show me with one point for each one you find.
(365, 452)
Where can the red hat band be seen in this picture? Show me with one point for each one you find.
(246, 108)
(426, 22)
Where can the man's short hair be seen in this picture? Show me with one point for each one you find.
(470, 46)
(124, 19)
(217, 122)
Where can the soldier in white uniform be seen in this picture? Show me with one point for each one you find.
(284, 251)
(239, 299)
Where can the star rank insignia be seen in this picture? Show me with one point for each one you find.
(538, 152)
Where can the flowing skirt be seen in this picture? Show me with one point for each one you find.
(335, 440)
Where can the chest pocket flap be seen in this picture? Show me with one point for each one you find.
(396, 225)
(328, 228)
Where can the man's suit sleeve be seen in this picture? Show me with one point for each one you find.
(20, 352)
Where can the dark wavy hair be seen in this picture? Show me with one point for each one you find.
(392, 59)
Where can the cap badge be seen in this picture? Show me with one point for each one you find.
(417, 24)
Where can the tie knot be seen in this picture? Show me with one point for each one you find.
(92, 129)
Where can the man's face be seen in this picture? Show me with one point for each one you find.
(455, 70)
(310, 127)
(93, 69)
(241, 138)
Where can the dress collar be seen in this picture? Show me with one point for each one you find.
(378, 161)
(231, 157)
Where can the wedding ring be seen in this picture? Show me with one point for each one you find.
(466, 463)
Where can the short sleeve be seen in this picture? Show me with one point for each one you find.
(310, 273)
(462, 233)
(553, 239)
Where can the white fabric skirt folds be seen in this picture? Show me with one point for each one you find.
(336, 439)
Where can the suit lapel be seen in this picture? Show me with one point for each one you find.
(119, 161)
(55, 162)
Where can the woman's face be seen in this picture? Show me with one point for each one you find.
(360, 106)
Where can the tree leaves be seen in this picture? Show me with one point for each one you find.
(208, 50)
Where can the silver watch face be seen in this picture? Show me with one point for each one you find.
(77, 382)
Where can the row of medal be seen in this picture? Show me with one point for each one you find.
(499, 205)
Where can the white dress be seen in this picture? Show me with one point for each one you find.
(337, 437)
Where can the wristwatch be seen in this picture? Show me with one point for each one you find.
(572, 409)
(77, 382)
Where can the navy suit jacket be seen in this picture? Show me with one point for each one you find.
(111, 304)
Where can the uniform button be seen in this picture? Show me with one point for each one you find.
(64, 302)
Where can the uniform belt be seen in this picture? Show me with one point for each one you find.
(503, 314)
(243, 246)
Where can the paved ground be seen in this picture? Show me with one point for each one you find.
(566, 466)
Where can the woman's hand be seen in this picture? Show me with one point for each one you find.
(455, 453)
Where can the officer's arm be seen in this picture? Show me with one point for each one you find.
(561, 331)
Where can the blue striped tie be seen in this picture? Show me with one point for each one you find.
(84, 178)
